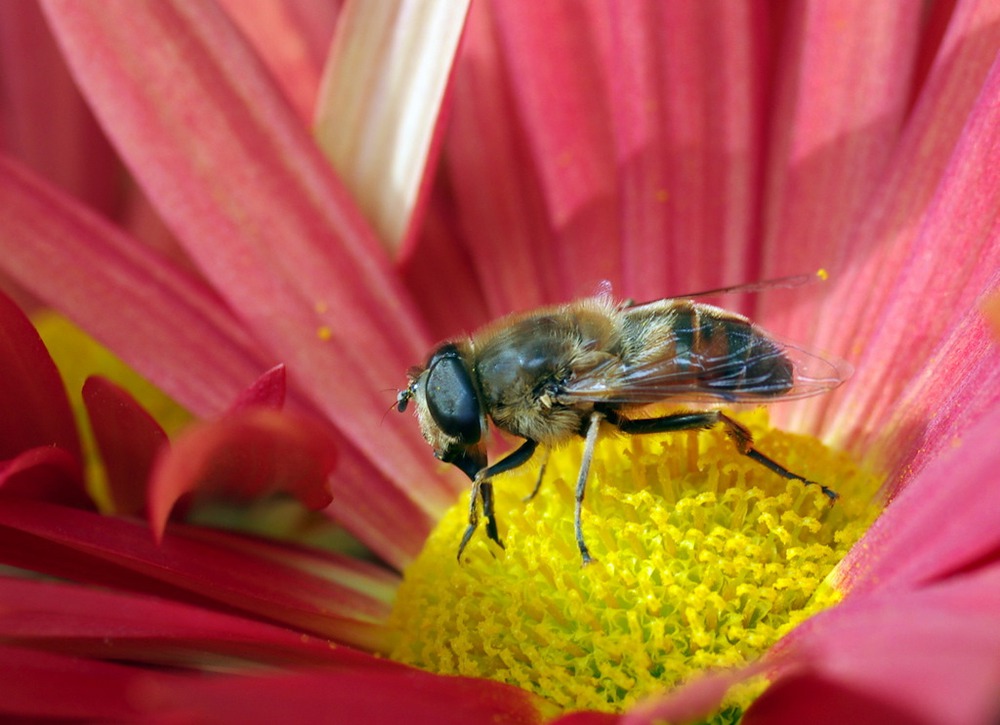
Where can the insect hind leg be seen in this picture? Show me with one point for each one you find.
(743, 439)
(737, 432)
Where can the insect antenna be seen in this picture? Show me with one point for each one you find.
(788, 282)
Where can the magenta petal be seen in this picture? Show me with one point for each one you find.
(267, 391)
(47, 474)
(245, 455)
(128, 439)
(35, 409)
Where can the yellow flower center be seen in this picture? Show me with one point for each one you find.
(704, 559)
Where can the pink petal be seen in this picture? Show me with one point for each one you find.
(844, 80)
(246, 455)
(168, 325)
(293, 39)
(910, 656)
(369, 696)
(157, 318)
(936, 204)
(47, 474)
(86, 622)
(692, 702)
(86, 689)
(687, 99)
(505, 220)
(930, 326)
(257, 208)
(128, 439)
(377, 116)
(267, 391)
(35, 409)
(944, 522)
(46, 123)
(92, 690)
(326, 595)
(437, 254)
(558, 84)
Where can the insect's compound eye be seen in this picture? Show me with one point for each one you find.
(451, 397)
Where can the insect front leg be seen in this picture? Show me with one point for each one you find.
(482, 487)
(541, 475)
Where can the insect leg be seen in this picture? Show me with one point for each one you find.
(510, 462)
(481, 486)
(486, 491)
(581, 482)
(541, 475)
(738, 432)
(744, 443)
(473, 516)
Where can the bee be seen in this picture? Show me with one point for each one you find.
(552, 374)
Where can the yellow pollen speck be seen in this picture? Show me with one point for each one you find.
(704, 559)
(822, 274)
(324, 333)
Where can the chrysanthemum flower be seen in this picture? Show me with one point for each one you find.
(663, 147)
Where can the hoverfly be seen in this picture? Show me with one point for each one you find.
(567, 370)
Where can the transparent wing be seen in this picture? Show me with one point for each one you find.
(779, 371)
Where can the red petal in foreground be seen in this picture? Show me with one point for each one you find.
(34, 409)
(245, 455)
(47, 474)
(85, 622)
(324, 594)
(99, 691)
(128, 439)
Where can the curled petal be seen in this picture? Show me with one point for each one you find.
(35, 409)
(47, 474)
(128, 439)
(267, 391)
(245, 455)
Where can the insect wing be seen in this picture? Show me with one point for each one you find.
(662, 378)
